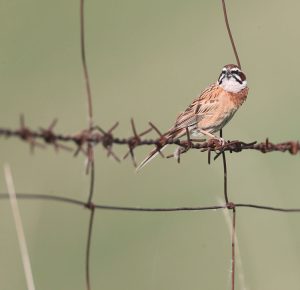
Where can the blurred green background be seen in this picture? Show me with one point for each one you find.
(148, 60)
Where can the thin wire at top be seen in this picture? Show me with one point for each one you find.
(84, 65)
(230, 35)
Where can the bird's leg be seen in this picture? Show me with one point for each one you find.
(221, 140)
(177, 153)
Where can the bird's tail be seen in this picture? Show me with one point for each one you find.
(172, 133)
(150, 156)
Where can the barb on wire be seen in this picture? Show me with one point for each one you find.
(162, 138)
(107, 140)
(156, 129)
(26, 135)
(134, 141)
(50, 137)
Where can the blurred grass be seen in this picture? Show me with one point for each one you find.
(148, 60)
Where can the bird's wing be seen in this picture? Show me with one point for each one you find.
(203, 106)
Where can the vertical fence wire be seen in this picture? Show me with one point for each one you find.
(88, 138)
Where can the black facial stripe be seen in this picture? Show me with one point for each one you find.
(221, 77)
(236, 75)
(239, 81)
(239, 73)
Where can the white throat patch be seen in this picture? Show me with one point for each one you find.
(232, 86)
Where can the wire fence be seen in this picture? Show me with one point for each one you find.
(94, 136)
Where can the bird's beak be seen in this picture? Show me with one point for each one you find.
(228, 74)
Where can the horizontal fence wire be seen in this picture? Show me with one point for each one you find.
(71, 201)
(88, 139)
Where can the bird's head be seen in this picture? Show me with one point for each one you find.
(232, 79)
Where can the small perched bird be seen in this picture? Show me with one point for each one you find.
(211, 111)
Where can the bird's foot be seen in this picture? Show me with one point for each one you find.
(218, 141)
(221, 141)
(176, 154)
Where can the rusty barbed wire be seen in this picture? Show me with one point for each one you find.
(99, 136)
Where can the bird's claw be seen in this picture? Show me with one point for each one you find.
(218, 141)
(176, 154)
(221, 141)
